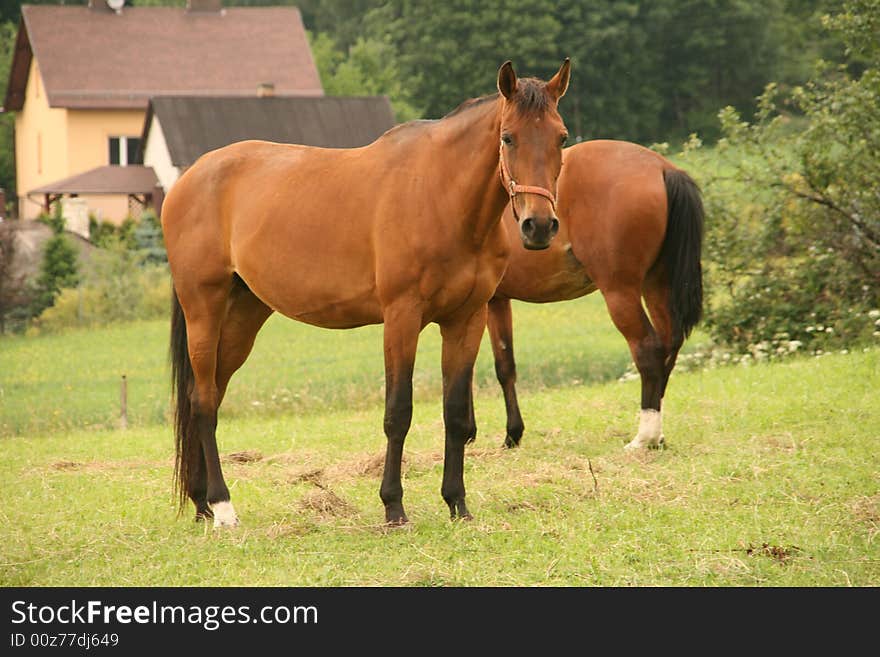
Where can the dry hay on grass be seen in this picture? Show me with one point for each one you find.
(247, 456)
(867, 509)
(779, 553)
(325, 503)
(304, 475)
(66, 465)
(778, 443)
(285, 529)
(104, 466)
(365, 465)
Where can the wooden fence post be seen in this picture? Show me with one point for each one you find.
(123, 403)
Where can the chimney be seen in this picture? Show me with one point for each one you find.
(204, 5)
(265, 89)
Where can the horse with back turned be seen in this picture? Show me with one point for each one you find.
(402, 232)
(632, 228)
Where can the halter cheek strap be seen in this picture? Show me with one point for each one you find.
(513, 188)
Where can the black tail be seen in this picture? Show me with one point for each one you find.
(187, 449)
(682, 249)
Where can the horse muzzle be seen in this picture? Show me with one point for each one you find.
(537, 233)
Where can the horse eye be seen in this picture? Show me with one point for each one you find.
(563, 140)
(506, 139)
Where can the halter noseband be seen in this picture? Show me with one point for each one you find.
(513, 188)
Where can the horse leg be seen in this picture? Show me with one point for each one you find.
(461, 343)
(245, 316)
(206, 486)
(401, 337)
(625, 307)
(500, 324)
(671, 336)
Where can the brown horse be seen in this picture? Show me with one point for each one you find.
(402, 232)
(632, 227)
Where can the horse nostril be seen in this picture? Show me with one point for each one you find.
(528, 227)
(554, 226)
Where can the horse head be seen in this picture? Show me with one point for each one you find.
(532, 137)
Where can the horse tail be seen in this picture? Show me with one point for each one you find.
(182, 380)
(682, 249)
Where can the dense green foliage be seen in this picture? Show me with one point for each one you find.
(124, 278)
(119, 285)
(795, 236)
(148, 240)
(59, 267)
(642, 71)
(7, 121)
(369, 67)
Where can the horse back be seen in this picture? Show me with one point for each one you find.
(612, 210)
(287, 219)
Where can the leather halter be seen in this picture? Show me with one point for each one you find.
(513, 188)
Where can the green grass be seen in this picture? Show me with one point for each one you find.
(771, 477)
(72, 380)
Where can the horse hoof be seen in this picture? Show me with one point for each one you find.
(641, 443)
(397, 522)
(511, 442)
(458, 511)
(395, 516)
(224, 515)
(660, 444)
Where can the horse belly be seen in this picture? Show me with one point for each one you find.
(323, 304)
(545, 276)
(323, 286)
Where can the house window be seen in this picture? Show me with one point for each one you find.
(124, 150)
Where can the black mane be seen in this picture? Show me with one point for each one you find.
(530, 98)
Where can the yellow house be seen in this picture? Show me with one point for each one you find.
(81, 79)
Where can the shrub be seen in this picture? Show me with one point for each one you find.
(59, 268)
(793, 235)
(117, 287)
(148, 239)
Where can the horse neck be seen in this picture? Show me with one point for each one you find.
(469, 144)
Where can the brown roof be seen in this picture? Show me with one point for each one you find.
(95, 58)
(194, 125)
(108, 179)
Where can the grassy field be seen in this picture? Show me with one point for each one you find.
(72, 380)
(770, 479)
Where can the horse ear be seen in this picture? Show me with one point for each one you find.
(559, 83)
(507, 80)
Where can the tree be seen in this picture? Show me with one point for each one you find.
(7, 121)
(451, 51)
(148, 239)
(796, 249)
(369, 67)
(59, 268)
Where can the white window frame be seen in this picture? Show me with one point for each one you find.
(123, 148)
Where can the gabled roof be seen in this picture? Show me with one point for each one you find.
(96, 58)
(194, 125)
(110, 179)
